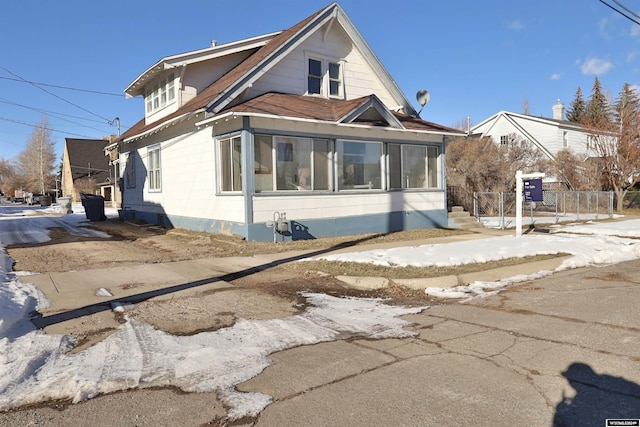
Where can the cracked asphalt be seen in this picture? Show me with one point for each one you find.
(563, 350)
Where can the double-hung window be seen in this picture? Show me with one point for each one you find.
(153, 167)
(129, 169)
(413, 166)
(230, 155)
(324, 77)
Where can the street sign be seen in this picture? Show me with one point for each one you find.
(532, 190)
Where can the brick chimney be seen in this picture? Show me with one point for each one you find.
(558, 111)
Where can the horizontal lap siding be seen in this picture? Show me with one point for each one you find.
(344, 205)
(289, 75)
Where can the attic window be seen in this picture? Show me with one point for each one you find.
(324, 77)
(315, 76)
(160, 94)
(334, 79)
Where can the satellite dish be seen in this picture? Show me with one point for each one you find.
(423, 98)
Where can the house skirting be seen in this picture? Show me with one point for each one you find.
(301, 229)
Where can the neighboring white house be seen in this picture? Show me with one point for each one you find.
(305, 123)
(550, 135)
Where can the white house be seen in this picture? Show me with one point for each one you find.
(304, 125)
(550, 135)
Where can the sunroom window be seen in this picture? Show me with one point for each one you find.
(230, 155)
(413, 166)
(298, 163)
(359, 165)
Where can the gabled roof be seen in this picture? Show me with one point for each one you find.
(86, 158)
(217, 96)
(216, 51)
(516, 121)
(545, 120)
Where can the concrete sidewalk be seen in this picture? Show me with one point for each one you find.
(76, 289)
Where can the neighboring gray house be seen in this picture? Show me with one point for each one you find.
(84, 167)
(305, 124)
(550, 135)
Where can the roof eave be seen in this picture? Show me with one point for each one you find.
(137, 86)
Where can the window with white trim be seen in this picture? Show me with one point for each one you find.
(230, 159)
(325, 77)
(413, 166)
(153, 168)
(160, 94)
(359, 165)
(129, 169)
(291, 163)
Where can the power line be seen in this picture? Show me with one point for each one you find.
(39, 110)
(62, 87)
(619, 11)
(59, 97)
(44, 127)
(626, 8)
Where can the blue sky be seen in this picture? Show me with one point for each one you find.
(475, 58)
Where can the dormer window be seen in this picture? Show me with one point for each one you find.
(160, 94)
(324, 77)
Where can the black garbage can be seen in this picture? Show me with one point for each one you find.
(93, 207)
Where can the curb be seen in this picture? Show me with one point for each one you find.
(453, 280)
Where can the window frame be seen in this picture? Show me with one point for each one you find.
(229, 163)
(130, 169)
(292, 165)
(341, 166)
(160, 94)
(325, 79)
(154, 169)
(430, 161)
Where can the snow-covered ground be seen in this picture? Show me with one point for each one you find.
(36, 367)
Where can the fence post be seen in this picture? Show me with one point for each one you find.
(610, 204)
(475, 205)
(501, 202)
(577, 205)
(557, 207)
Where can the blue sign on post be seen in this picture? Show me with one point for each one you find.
(532, 190)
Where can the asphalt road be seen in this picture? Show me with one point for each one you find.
(562, 350)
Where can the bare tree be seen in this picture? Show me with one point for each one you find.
(7, 176)
(617, 143)
(525, 107)
(578, 173)
(37, 161)
(480, 164)
(463, 124)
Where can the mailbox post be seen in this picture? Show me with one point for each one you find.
(531, 194)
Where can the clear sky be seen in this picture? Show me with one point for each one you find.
(474, 57)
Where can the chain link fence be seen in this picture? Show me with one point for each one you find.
(498, 210)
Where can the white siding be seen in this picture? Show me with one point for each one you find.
(305, 207)
(289, 75)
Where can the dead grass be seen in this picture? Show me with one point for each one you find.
(335, 268)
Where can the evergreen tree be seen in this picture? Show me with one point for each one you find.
(597, 112)
(577, 107)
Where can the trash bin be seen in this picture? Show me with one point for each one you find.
(65, 204)
(45, 200)
(93, 207)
